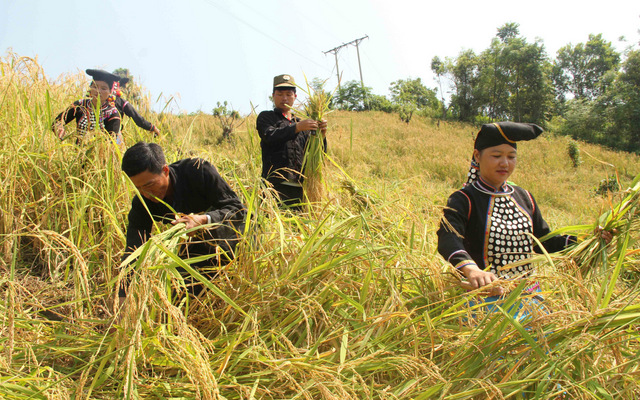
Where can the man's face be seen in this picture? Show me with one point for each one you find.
(283, 98)
(153, 186)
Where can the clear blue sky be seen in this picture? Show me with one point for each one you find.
(204, 51)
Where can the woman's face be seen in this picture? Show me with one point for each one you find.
(99, 90)
(496, 163)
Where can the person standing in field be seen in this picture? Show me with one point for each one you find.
(197, 193)
(283, 139)
(126, 108)
(487, 225)
(84, 111)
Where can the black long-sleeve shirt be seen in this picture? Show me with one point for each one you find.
(282, 148)
(489, 226)
(197, 188)
(125, 108)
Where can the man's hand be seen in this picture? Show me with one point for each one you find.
(307, 125)
(191, 221)
(323, 127)
(478, 278)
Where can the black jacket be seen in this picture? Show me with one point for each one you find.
(197, 188)
(125, 108)
(282, 148)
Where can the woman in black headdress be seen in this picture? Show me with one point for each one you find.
(125, 108)
(487, 224)
(100, 98)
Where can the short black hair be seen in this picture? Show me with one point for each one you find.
(282, 89)
(141, 157)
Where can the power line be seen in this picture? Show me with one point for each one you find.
(263, 33)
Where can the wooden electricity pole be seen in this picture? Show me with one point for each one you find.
(335, 50)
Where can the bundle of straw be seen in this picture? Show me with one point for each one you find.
(315, 107)
(594, 256)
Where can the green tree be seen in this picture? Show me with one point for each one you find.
(350, 96)
(377, 102)
(131, 89)
(122, 72)
(412, 91)
(578, 70)
(621, 105)
(464, 71)
(439, 69)
(228, 119)
(508, 31)
(514, 82)
(613, 118)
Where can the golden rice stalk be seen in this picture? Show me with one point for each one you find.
(594, 256)
(315, 107)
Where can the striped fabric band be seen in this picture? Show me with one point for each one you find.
(502, 133)
(464, 263)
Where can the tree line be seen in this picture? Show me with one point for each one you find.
(589, 91)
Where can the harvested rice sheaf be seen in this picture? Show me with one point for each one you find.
(316, 107)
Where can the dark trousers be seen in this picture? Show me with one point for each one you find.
(290, 196)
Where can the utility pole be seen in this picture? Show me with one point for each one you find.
(357, 43)
(335, 53)
(335, 50)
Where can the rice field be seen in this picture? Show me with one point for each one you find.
(351, 302)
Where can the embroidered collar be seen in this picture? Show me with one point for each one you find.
(284, 114)
(482, 185)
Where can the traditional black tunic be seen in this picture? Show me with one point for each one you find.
(489, 227)
(84, 114)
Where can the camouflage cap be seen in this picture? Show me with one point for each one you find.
(284, 82)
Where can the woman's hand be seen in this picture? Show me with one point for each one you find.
(59, 130)
(607, 236)
(478, 278)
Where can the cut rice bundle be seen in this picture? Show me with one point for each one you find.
(315, 107)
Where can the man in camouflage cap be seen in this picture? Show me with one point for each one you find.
(283, 139)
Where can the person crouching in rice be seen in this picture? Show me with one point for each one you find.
(189, 191)
(487, 225)
(84, 110)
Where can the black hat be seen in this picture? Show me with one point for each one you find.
(104, 76)
(505, 133)
(123, 81)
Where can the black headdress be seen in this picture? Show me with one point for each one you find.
(505, 133)
(501, 133)
(104, 76)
